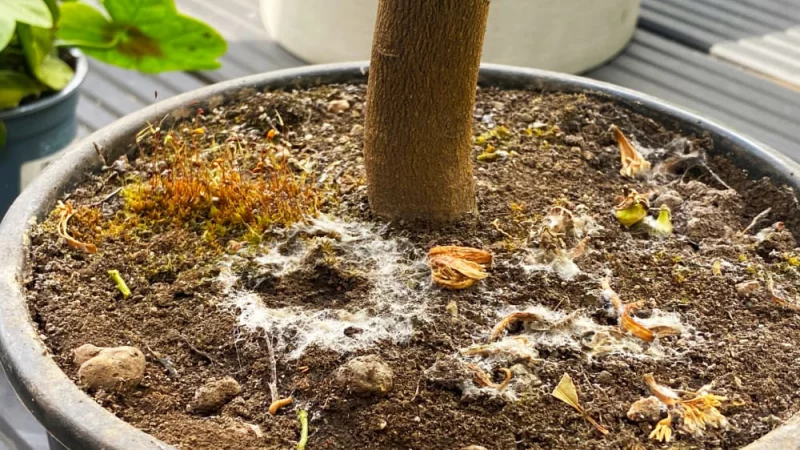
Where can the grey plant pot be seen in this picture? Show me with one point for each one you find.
(37, 132)
(75, 420)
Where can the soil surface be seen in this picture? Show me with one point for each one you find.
(210, 297)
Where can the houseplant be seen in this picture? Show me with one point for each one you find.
(41, 67)
(248, 303)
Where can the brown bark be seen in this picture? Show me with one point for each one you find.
(420, 99)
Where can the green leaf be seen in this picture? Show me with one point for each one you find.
(54, 72)
(84, 26)
(15, 86)
(3, 134)
(52, 5)
(32, 12)
(145, 35)
(7, 26)
(37, 46)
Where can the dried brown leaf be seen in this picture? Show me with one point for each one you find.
(632, 326)
(633, 163)
(665, 394)
(483, 379)
(567, 393)
(776, 298)
(520, 316)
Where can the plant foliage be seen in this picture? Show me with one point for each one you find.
(145, 35)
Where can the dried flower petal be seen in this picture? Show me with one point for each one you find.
(663, 430)
(627, 322)
(665, 394)
(567, 393)
(662, 226)
(698, 412)
(633, 163)
(632, 209)
(470, 254)
(633, 327)
(483, 379)
(519, 316)
(776, 298)
(458, 267)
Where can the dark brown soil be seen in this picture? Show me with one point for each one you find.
(746, 344)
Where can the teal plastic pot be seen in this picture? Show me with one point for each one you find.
(37, 133)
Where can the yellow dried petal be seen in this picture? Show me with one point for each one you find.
(663, 430)
(778, 299)
(661, 227)
(631, 215)
(632, 209)
(716, 268)
(627, 323)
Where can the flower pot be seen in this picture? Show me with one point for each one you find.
(566, 36)
(75, 419)
(37, 133)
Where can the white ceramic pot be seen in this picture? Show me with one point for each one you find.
(562, 35)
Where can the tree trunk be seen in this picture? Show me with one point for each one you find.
(420, 99)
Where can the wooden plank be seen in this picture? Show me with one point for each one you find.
(754, 13)
(93, 116)
(678, 31)
(715, 15)
(142, 86)
(769, 90)
(685, 21)
(704, 92)
(110, 96)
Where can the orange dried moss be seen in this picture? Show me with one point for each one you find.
(223, 194)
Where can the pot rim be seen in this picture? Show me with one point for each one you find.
(73, 417)
(81, 69)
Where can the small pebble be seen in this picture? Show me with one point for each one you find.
(365, 376)
(526, 117)
(338, 106)
(214, 394)
(357, 130)
(747, 287)
(116, 369)
(646, 410)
